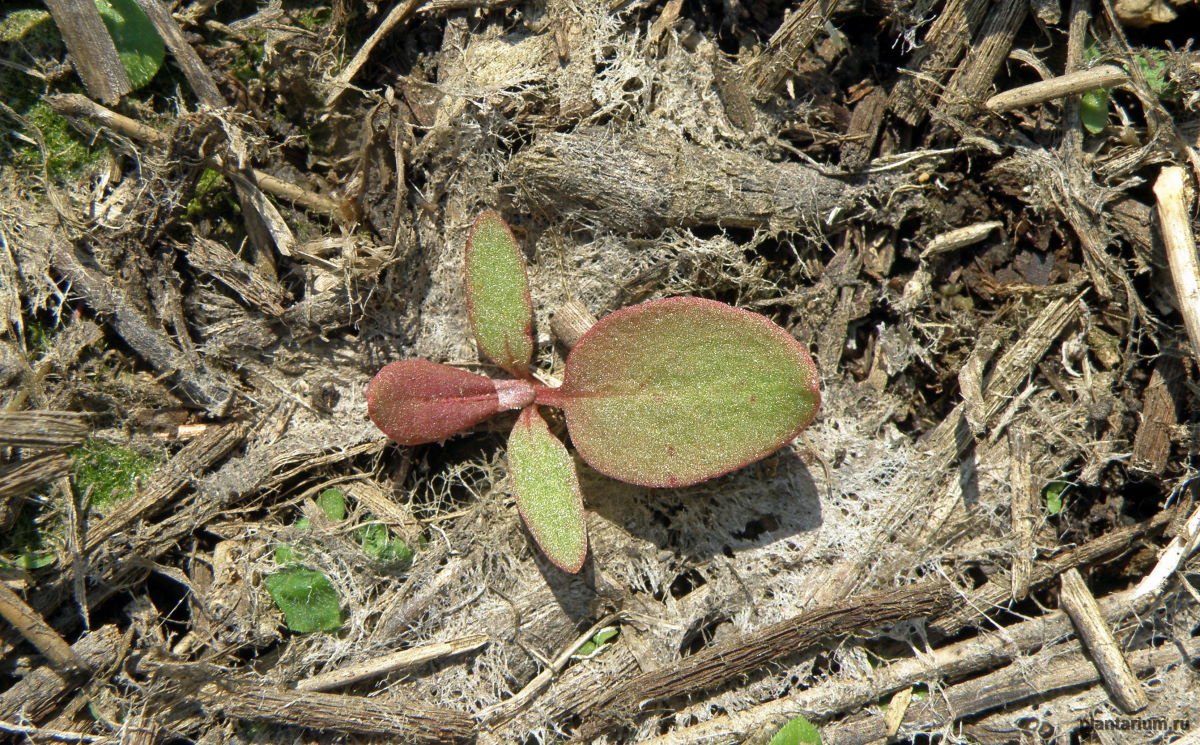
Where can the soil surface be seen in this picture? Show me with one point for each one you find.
(978, 216)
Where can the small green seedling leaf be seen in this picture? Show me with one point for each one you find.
(138, 44)
(677, 391)
(592, 646)
(1053, 496)
(1093, 110)
(17, 24)
(799, 731)
(498, 301)
(333, 503)
(377, 542)
(307, 599)
(547, 491)
(285, 554)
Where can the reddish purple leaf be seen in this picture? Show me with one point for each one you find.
(418, 401)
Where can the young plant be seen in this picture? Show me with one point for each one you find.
(667, 393)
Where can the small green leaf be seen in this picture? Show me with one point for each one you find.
(592, 646)
(377, 542)
(498, 301)
(547, 491)
(307, 599)
(1153, 63)
(285, 554)
(1093, 110)
(138, 44)
(676, 391)
(17, 24)
(333, 503)
(1053, 496)
(796, 732)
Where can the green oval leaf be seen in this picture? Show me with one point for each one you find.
(138, 44)
(676, 391)
(547, 491)
(498, 301)
(1093, 110)
(799, 731)
(307, 599)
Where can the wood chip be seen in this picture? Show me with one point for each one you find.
(763, 72)
(936, 58)
(42, 429)
(194, 459)
(1102, 647)
(20, 479)
(246, 698)
(390, 663)
(649, 180)
(738, 656)
(93, 53)
(973, 78)
(198, 385)
(35, 696)
(1174, 217)
(1152, 444)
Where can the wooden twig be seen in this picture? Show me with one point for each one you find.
(1177, 551)
(748, 652)
(390, 663)
(1172, 194)
(199, 78)
(1102, 76)
(264, 224)
(37, 694)
(198, 385)
(42, 429)
(1098, 639)
(250, 699)
(1047, 672)
(35, 734)
(835, 697)
(92, 50)
(996, 594)
(76, 105)
(399, 12)
(38, 633)
(1023, 507)
(509, 707)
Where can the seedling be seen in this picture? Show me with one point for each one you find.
(667, 393)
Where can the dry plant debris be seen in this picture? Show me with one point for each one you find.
(981, 218)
